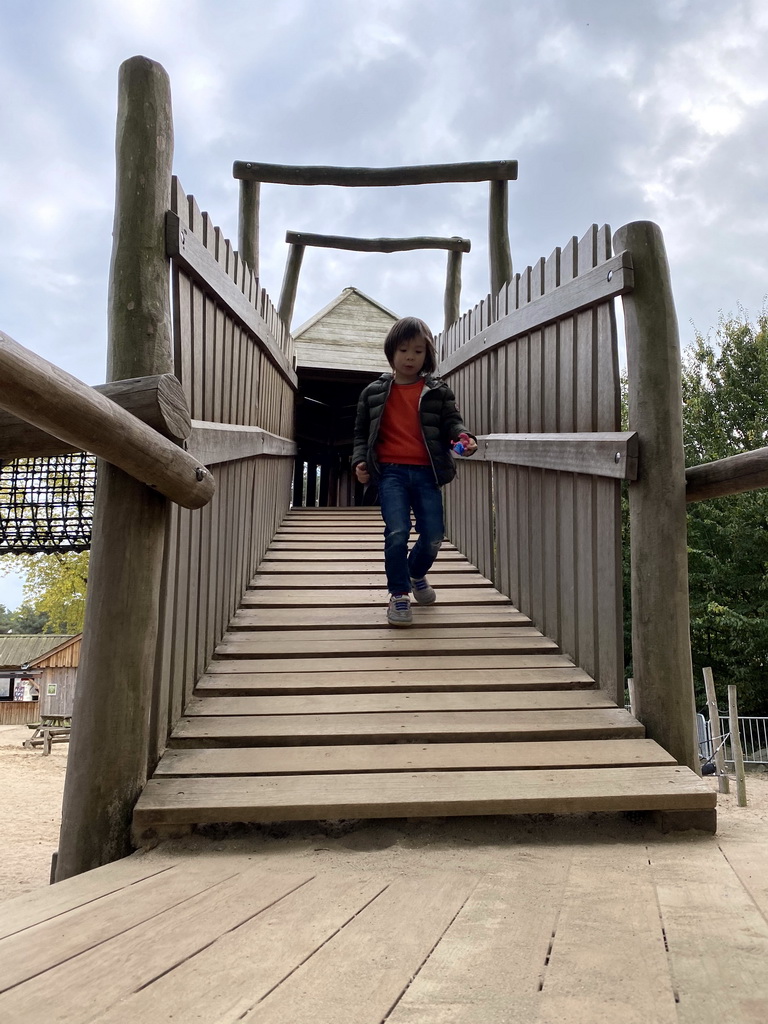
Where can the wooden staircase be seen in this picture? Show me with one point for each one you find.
(313, 708)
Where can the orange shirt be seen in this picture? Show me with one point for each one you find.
(400, 437)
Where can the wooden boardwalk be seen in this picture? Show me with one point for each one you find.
(467, 921)
(314, 708)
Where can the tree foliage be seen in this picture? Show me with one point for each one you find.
(23, 620)
(725, 395)
(54, 590)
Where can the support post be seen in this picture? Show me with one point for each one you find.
(452, 302)
(498, 237)
(248, 224)
(738, 754)
(723, 782)
(107, 765)
(290, 284)
(661, 646)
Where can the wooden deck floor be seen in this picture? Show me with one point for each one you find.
(467, 921)
(313, 708)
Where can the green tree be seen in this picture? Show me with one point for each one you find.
(54, 590)
(725, 395)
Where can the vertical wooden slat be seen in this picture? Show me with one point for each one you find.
(550, 480)
(567, 483)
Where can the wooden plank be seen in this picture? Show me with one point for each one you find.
(583, 977)
(341, 704)
(44, 904)
(276, 557)
(398, 644)
(234, 973)
(350, 636)
(236, 682)
(366, 617)
(377, 244)
(716, 936)
(384, 727)
(396, 757)
(213, 443)
(122, 965)
(488, 967)
(397, 662)
(338, 574)
(357, 976)
(611, 454)
(420, 794)
(41, 947)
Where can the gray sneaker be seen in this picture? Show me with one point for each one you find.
(422, 592)
(399, 611)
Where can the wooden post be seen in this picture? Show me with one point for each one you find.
(452, 302)
(248, 223)
(661, 646)
(632, 697)
(107, 765)
(290, 284)
(738, 755)
(723, 783)
(498, 238)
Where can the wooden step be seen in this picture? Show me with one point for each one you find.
(435, 663)
(233, 682)
(409, 645)
(373, 579)
(400, 757)
(470, 599)
(363, 703)
(368, 617)
(423, 794)
(394, 727)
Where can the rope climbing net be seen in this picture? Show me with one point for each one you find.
(46, 504)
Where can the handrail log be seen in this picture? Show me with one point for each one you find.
(214, 443)
(610, 454)
(360, 177)
(454, 244)
(157, 400)
(47, 396)
(747, 471)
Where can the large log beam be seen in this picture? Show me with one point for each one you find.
(60, 404)
(378, 244)
(361, 177)
(736, 474)
(158, 401)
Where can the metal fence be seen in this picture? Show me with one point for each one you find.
(754, 738)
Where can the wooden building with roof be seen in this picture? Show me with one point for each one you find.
(338, 351)
(49, 661)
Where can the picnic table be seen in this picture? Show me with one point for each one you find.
(49, 730)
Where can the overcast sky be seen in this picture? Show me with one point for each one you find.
(622, 111)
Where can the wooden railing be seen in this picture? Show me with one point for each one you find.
(536, 375)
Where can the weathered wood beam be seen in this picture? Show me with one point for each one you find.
(213, 443)
(498, 237)
(378, 244)
(188, 251)
(158, 401)
(112, 717)
(452, 298)
(359, 177)
(598, 454)
(248, 224)
(661, 641)
(612, 278)
(736, 474)
(287, 301)
(60, 404)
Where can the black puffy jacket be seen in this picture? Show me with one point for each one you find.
(440, 424)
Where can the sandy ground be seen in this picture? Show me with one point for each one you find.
(30, 814)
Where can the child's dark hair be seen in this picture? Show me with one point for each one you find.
(405, 329)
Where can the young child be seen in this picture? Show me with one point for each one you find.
(406, 424)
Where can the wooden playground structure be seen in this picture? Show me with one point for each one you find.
(235, 668)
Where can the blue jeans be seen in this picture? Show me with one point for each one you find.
(402, 488)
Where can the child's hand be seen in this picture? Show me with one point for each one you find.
(362, 474)
(470, 446)
(465, 446)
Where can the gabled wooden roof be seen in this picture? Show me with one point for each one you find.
(348, 334)
(17, 649)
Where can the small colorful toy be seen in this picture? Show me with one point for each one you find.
(460, 446)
